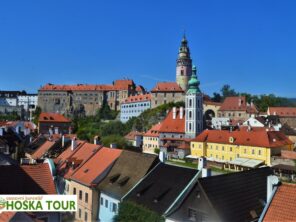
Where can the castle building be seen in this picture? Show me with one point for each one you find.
(184, 65)
(193, 107)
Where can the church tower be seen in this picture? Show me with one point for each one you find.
(193, 107)
(184, 65)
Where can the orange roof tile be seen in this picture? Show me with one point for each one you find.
(170, 125)
(154, 131)
(68, 152)
(78, 156)
(53, 117)
(138, 98)
(42, 150)
(124, 84)
(271, 139)
(167, 87)
(288, 154)
(237, 103)
(282, 111)
(283, 204)
(95, 166)
(42, 176)
(131, 135)
(140, 88)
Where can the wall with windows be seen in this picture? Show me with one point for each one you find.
(228, 152)
(150, 143)
(159, 98)
(108, 208)
(130, 110)
(87, 201)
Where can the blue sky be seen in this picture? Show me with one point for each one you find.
(249, 44)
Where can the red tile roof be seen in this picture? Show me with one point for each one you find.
(271, 139)
(118, 85)
(140, 88)
(78, 156)
(131, 135)
(282, 111)
(237, 103)
(6, 216)
(53, 117)
(95, 166)
(283, 204)
(42, 150)
(288, 154)
(138, 98)
(167, 87)
(170, 125)
(206, 102)
(68, 152)
(41, 175)
(154, 131)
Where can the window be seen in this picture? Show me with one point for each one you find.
(86, 197)
(190, 114)
(80, 194)
(74, 190)
(79, 213)
(253, 151)
(106, 203)
(222, 148)
(102, 201)
(114, 207)
(259, 152)
(85, 216)
(190, 102)
(192, 214)
(245, 151)
(230, 149)
(216, 147)
(182, 72)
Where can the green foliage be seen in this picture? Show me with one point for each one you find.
(120, 141)
(105, 113)
(262, 102)
(131, 212)
(36, 114)
(9, 116)
(156, 150)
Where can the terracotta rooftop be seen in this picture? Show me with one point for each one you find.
(131, 135)
(26, 179)
(138, 98)
(283, 204)
(167, 87)
(140, 88)
(53, 117)
(77, 157)
(282, 111)
(42, 150)
(68, 152)
(90, 172)
(237, 103)
(170, 125)
(154, 131)
(271, 139)
(118, 85)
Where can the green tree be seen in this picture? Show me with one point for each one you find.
(131, 212)
(120, 141)
(36, 114)
(227, 91)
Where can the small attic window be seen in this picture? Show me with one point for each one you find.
(45, 118)
(86, 170)
(114, 178)
(123, 181)
(51, 118)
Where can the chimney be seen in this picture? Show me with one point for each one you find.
(205, 172)
(96, 140)
(56, 130)
(73, 144)
(174, 112)
(50, 131)
(239, 101)
(63, 141)
(181, 112)
(113, 145)
(162, 156)
(272, 181)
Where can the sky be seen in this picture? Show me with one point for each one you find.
(248, 44)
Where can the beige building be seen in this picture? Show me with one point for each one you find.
(151, 139)
(84, 180)
(166, 92)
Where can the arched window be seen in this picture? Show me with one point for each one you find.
(190, 114)
(190, 127)
(190, 102)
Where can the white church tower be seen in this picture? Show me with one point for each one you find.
(193, 107)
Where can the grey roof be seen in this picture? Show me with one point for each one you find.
(127, 171)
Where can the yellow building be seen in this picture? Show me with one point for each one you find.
(239, 146)
(151, 139)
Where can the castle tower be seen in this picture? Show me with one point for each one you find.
(184, 65)
(193, 107)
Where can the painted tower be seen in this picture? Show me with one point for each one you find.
(193, 107)
(184, 65)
